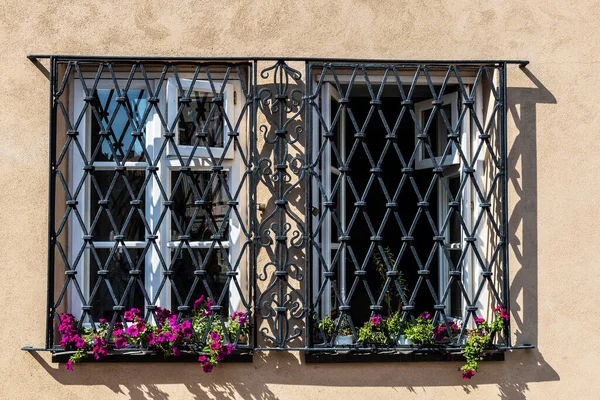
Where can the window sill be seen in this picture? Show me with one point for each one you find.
(416, 355)
(237, 356)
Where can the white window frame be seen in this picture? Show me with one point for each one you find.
(232, 163)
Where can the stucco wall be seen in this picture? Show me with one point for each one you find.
(553, 158)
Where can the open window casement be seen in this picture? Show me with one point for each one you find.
(333, 138)
(200, 113)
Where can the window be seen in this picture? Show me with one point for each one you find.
(157, 189)
(404, 172)
(346, 189)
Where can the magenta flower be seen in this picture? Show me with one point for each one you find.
(103, 320)
(170, 336)
(176, 351)
(198, 303)
(229, 348)
(151, 338)
(220, 356)
(69, 365)
(455, 326)
(439, 332)
(214, 346)
(375, 320)
(215, 336)
(172, 319)
(207, 367)
(504, 314)
(479, 320)
(468, 374)
(425, 315)
(133, 331)
(79, 342)
(186, 328)
(128, 315)
(202, 359)
(120, 342)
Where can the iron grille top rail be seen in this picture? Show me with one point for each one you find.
(322, 193)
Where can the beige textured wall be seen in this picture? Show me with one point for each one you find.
(555, 202)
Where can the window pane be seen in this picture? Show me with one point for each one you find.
(125, 145)
(118, 275)
(183, 275)
(119, 205)
(201, 115)
(205, 219)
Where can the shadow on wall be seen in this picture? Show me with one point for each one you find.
(233, 380)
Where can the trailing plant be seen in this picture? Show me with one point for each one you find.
(382, 270)
(481, 338)
(203, 335)
(373, 331)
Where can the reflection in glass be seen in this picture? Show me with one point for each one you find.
(201, 115)
(198, 186)
(124, 144)
(118, 204)
(118, 275)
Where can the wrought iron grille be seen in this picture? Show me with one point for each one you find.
(292, 190)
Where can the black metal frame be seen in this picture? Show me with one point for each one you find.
(282, 108)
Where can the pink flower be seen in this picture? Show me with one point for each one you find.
(439, 332)
(102, 320)
(161, 338)
(198, 302)
(220, 356)
(375, 320)
(151, 338)
(479, 320)
(468, 374)
(207, 367)
(229, 348)
(186, 328)
(425, 315)
(202, 359)
(172, 319)
(214, 346)
(504, 314)
(133, 331)
(455, 326)
(120, 342)
(79, 342)
(69, 365)
(170, 336)
(176, 351)
(215, 336)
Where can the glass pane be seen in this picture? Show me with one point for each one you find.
(118, 276)
(118, 205)
(205, 219)
(126, 147)
(183, 275)
(201, 115)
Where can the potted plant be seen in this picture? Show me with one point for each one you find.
(343, 337)
(373, 332)
(393, 324)
(420, 332)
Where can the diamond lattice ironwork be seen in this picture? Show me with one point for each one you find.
(290, 190)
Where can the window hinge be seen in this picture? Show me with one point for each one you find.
(234, 97)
